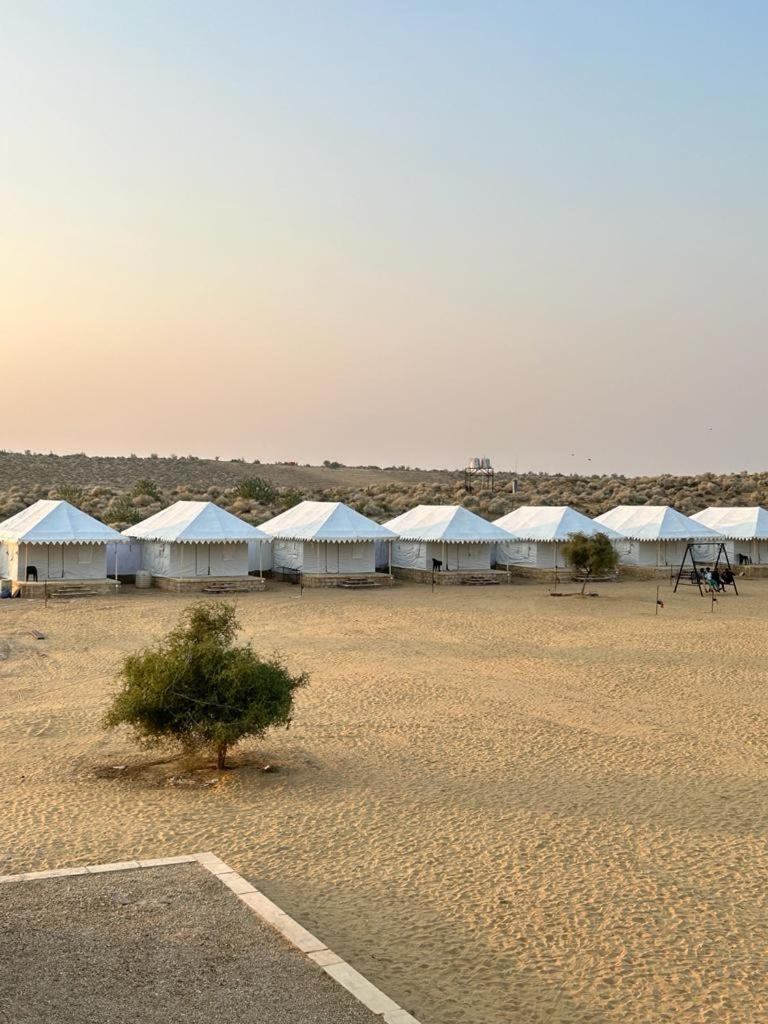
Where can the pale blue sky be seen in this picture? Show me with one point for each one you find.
(387, 232)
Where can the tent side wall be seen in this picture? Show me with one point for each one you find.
(84, 561)
(254, 546)
(229, 559)
(339, 559)
(409, 554)
(128, 557)
(747, 552)
(740, 552)
(649, 553)
(531, 554)
(5, 559)
(156, 557)
(460, 557)
(57, 561)
(287, 554)
(357, 557)
(192, 561)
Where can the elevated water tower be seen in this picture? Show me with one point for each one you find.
(479, 474)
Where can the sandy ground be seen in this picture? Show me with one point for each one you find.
(501, 807)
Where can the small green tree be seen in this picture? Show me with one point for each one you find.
(122, 510)
(592, 556)
(199, 688)
(71, 493)
(256, 489)
(146, 488)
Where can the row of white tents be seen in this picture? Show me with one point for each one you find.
(192, 539)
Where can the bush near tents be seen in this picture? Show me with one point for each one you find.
(590, 555)
(198, 688)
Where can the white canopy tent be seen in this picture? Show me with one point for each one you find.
(53, 540)
(195, 538)
(744, 530)
(655, 535)
(324, 538)
(450, 534)
(539, 531)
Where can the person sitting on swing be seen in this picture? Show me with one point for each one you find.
(717, 583)
(726, 578)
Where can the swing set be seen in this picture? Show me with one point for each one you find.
(695, 575)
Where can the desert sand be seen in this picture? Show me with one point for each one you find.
(501, 807)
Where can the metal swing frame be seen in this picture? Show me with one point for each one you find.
(696, 581)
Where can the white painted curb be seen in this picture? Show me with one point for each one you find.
(315, 950)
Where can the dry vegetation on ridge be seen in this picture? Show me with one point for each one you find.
(125, 490)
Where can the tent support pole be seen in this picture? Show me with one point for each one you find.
(556, 579)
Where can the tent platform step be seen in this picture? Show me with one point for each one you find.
(73, 592)
(210, 584)
(348, 581)
(230, 588)
(65, 588)
(452, 577)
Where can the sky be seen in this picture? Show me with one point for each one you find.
(387, 232)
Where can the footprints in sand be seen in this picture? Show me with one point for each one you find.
(41, 729)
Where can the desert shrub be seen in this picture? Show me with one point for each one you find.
(122, 510)
(146, 488)
(68, 492)
(255, 488)
(198, 688)
(288, 497)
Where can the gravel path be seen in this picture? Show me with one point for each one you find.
(157, 945)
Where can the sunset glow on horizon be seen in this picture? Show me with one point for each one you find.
(387, 233)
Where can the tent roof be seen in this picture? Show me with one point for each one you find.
(739, 523)
(655, 522)
(325, 521)
(550, 523)
(56, 522)
(194, 522)
(451, 523)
